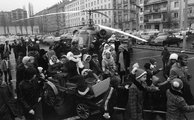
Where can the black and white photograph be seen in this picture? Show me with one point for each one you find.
(96, 59)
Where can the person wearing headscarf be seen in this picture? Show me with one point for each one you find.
(108, 65)
(86, 61)
(54, 66)
(105, 49)
(123, 61)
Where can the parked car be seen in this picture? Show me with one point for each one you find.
(166, 40)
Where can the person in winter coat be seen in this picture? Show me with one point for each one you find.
(135, 100)
(172, 59)
(108, 65)
(20, 72)
(54, 66)
(176, 104)
(31, 89)
(178, 71)
(74, 68)
(86, 61)
(95, 65)
(43, 60)
(5, 96)
(165, 56)
(6, 68)
(123, 61)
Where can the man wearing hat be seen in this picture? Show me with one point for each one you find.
(176, 104)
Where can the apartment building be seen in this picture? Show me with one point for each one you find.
(155, 14)
(141, 14)
(191, 13)
(82, 18)
(127, 19)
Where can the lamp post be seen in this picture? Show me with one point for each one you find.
(185, 25)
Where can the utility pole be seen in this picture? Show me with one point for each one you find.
(185, 25)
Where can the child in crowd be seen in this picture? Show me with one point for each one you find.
(176, 104)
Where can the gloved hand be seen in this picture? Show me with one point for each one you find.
(32, 112)
(106, 116)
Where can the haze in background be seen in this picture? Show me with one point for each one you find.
(38, 5)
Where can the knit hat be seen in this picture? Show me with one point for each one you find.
(25, 59)
(176, 84)
(139, 73)
(152, 60)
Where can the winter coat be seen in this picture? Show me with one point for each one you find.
(4, 66)
(5, 96)
(54, 69)
(108, 65)
(165, 55)
(126, 59)
(176, 106)
(95, 67)
(30, 91)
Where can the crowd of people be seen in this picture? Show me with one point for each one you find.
(82, 66)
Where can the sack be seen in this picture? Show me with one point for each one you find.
(15, 107)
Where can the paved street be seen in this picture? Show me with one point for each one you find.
(143, 56)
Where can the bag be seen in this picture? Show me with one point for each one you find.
(15, 107)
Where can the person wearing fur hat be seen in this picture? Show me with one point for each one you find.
(176, 104)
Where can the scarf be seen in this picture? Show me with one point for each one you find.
(121, 62)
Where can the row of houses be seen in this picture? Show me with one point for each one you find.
(138, 14)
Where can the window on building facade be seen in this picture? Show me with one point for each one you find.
(94, 2)
(109, 13)
(176, 4)
(97, 1)
(104, 6)
(176, 15)
(157, 16)
(104, 0)
(141, 1)
(126, 17)
(102, 21)
(91, 4)
(141, 18)
(109, 6)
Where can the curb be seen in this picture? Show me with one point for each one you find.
(158, 48)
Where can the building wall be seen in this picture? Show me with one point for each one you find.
(155, 14)
(191, 13)
(127, 19)
(141, 15)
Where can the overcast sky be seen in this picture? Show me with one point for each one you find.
(7, 5)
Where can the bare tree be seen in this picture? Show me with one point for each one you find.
(31, 13)
(21, 27)
(26, 26)
(170, 22)
(3, 22)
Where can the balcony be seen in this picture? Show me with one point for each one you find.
(153, 11)
(191, 15)
(151, 2)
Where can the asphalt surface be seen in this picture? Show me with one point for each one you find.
(141, 56)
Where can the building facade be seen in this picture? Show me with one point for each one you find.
(191, 13)
(127, 19)
(141, 15)
(82, 18)
(155, 14)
